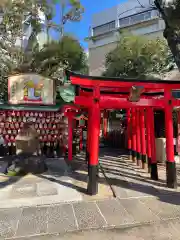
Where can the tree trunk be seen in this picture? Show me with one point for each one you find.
(48, 36)
(170, 15)
(173, 39)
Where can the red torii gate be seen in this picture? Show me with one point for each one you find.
(139, 98)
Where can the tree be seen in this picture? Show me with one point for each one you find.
(53, 58)
(49, 61)
(67, 52)
(70, 10)
(19, 11)
(14, 14)
(137, 57)
(169, 10)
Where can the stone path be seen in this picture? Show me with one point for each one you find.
(58, 184)
(104, 214)
(128, 180)
(140, 211)
(51, 187)
(166, 230)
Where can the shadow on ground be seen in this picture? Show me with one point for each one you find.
(116, 170)
(124, 174)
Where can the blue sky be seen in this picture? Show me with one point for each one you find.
(81, 29)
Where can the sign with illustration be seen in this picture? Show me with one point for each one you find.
(30, 88)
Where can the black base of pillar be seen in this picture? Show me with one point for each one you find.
(87, 156)
(130, 153)
(154, 171)
(171, 175)
(138, 159)
(149, 164)
(138, 156)
(92, 188)
(143, 158)
(134, 155)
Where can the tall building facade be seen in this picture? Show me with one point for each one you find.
(137, 17)
(29, 37)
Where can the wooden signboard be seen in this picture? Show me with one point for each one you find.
(30, 89)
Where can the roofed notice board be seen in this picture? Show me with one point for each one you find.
(30, 89)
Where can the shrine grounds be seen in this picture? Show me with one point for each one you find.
(55, 204)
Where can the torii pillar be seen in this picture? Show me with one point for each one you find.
(170, 161)
(92, 188)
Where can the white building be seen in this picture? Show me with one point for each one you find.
(29, 37)
(138, 18)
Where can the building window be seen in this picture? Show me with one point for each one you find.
(147, 15)
(123, 22)
(104, 28)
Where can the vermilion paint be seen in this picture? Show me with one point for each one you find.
(129, 130)
(169, 129)
(70, 137)
(133, 113)
(148, 132)
(142, 130)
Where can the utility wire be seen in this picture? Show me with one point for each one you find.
(140, 4)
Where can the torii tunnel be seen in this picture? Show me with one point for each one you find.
(139, 98)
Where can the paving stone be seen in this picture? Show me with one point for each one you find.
(30, 179)
(46, 189)
(61, 219)
(164, 208)
(162, 231)
(23, 190)
(175, 225)
(119, 184)
(114, 213)
(138, 210)
(158, 231)
(33, 221)
(139, 190)
(88, 215)
(120, 192)
(8, 221)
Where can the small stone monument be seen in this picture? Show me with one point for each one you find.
(27, 141)
(27, 152)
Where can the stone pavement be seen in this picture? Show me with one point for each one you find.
(58, 184)
(140, 211)
(103, 214)
(165, 231)
(49, 188)
(128, 180)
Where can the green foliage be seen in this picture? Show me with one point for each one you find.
(67, 52)
(70, 10)
(53, 58)
(169, 10)
(16, 12)
(49, 62)
(137, 57)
